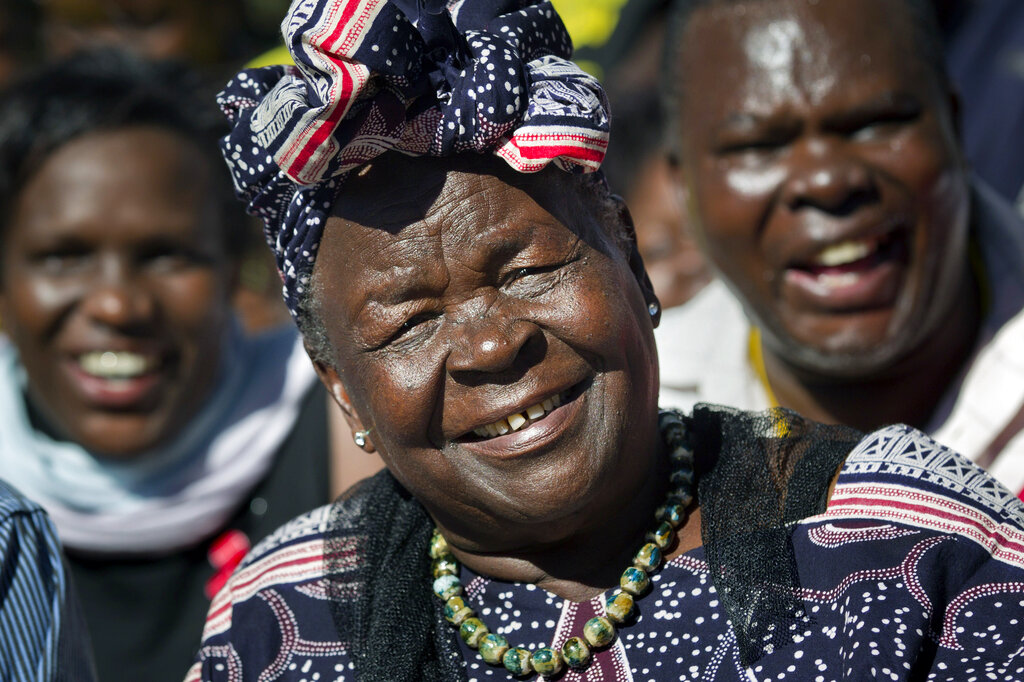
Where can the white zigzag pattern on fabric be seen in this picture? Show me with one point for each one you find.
(898, 459)
(903, 451)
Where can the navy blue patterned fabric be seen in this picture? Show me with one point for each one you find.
(915, 571)
(423, 77)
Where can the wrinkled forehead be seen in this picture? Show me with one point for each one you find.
(778, 49)
(424, 211)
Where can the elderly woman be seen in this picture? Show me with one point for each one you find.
(159, 438)
(473, 299)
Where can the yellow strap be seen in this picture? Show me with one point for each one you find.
(278, 55)
(755, 355)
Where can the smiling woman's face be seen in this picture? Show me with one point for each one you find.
(115, 287)
(457, 299)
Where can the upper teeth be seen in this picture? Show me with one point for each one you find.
(517, 420)
(114, 364)
(843, 253)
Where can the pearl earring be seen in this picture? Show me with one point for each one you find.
(653, 309)
(360, 438)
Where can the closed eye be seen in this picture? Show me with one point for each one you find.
(527, 272)
(887, 113)
(62, 259)
(768, 142)
(536, 281)
(412, 330)
(882, 124)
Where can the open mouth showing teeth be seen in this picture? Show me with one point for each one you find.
(520, 420)
(116, 365)
(845, 261)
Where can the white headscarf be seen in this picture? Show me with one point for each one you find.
(181, 493)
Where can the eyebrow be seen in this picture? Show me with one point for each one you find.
(744, 120)
(901, 101)
(417, 287)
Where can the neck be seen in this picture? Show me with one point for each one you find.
(908, 392)
(590, 560)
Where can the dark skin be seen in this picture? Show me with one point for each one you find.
(830, 191)
(674, 263)
(479, 293)
(114, 245)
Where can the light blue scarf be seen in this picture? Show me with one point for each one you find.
(178, 494)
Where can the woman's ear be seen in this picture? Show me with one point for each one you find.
(636, 262)
(332, 380)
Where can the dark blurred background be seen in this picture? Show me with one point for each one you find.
(620, 41)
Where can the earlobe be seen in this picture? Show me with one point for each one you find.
(332, 380)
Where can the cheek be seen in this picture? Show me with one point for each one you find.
(609, 323)
(920, 165)
(195, 303)
(924, 170)
(30, 306)
(732, 201)
(400, 393)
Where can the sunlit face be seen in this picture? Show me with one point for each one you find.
(458, 296)
(115, 287)
(825, 173)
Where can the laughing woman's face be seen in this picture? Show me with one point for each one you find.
(827, 179)
(496, 339)
(115, 288)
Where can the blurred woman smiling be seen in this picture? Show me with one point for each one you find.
(158, 437)
(472, 296)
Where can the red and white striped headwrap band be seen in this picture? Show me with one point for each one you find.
(421, 77)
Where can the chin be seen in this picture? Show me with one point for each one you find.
(859, 347)
(853, 357)
(121, 438)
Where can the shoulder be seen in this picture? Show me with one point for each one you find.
(941, 539)
(278, 603)
(22, 520)
(900, 475)
(37, 616)
(13, 503)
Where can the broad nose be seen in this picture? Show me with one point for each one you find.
(827, 177)
(493, 343)
(117, 298)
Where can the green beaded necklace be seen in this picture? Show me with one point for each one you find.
(599, 631)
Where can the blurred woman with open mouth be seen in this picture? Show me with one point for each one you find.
(472, 296)
(159, 438)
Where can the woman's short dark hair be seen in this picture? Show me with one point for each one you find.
(925, 27)
(101, 91)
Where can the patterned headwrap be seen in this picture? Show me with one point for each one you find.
(422, 77)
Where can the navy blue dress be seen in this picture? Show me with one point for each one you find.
(915, 571)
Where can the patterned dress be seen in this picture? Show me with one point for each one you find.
(915, 571)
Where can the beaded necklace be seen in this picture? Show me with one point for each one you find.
(599, 631)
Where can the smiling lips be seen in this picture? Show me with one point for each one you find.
(117, 380)
(114, 365)
(520, 420)
(853, 273)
